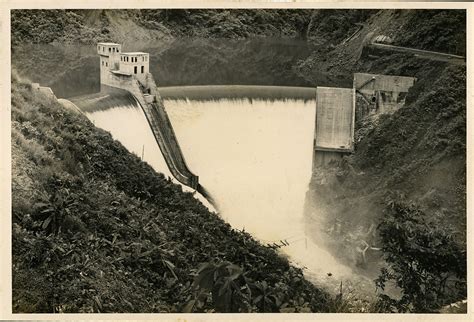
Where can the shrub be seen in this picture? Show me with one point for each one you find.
(424, 259)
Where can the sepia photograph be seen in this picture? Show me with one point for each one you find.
(237, 159)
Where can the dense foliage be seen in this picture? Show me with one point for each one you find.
(441, 30)
(46, 26)
(331, 26)
(87, 26)
(95, 229)
(433, 125)
(438, 30)
(225, 23)
(425, 260)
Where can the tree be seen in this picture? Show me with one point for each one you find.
(424, 258)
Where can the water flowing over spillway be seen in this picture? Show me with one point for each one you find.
(254, 156)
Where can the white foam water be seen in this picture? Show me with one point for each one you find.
(253, 156)
(255, 159)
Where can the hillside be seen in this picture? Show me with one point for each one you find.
(100, 231)
(90, 26)
(435, 30)
(408, 171)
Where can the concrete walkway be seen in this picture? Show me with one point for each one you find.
(432, 55)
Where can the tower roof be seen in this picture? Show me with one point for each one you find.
(108, 44)
(135, 53)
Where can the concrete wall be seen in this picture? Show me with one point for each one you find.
(159, 123)
(109, 54)
(323, 158)
(44, 90)
(334, 119)
(385, 92)
(139, 68)
(109, 78)
(387, 83)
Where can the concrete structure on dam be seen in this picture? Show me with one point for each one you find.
(334, 129)
(130, 71)
(336, 108)
(381, 94)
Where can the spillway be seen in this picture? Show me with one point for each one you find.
(254, 157)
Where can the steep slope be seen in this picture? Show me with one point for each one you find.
(90, 26)
(407, 166)
(436, 30)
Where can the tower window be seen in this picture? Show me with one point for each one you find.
(127, 59)
(135, 69)
(113, 49)
(106, 64)
(143, 69)
(110, 50)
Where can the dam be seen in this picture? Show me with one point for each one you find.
(251, 146)
(255, 148)
(125, 75)
(254, 156)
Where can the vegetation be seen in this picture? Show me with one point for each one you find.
(425, 260)
(418, 152)
(45, 26)
(100, 231)
(330, 27)
(434, 124)
(441, 30)
(225, 23)
(87, 26)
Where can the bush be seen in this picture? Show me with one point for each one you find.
(424, 259)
